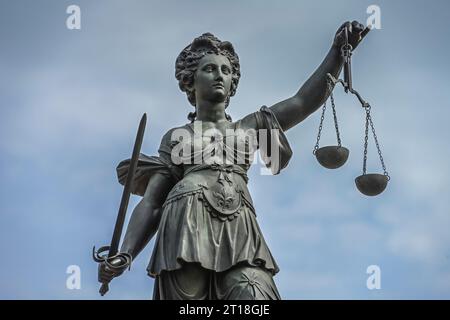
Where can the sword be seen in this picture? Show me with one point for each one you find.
(112, 249)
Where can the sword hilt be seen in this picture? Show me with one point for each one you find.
(124, 258)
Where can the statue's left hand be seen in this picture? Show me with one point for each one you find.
(354, 36)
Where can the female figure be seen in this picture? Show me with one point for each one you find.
(209, 245)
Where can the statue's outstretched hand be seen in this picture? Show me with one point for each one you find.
(354, 34)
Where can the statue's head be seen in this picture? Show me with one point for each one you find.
(198, 62)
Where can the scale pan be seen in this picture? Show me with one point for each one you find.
(332, 157)
(371, 184)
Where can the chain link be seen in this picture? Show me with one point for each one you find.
(378, 148)
(333, 106)
(335, 120)
(316, 147)
(366, 137)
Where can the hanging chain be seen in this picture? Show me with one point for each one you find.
(378, 148)
(333, 106)
(335, 119)
(366, 137)
(316, 147)
(322, 117)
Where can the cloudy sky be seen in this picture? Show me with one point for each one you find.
(70, 102)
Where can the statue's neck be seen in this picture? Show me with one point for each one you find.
(213, 112)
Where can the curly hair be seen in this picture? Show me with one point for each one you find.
(188, 60)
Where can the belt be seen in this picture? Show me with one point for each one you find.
(228, 168)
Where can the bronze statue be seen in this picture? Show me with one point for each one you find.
(209, 245)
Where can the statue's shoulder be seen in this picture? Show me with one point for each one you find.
(252, 120)
(168, 133)
(264, 118)
(173, 136)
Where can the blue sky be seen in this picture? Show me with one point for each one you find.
(70, 102)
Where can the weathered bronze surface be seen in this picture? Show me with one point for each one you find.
(371, 184)
(332, 157)
(209, 244)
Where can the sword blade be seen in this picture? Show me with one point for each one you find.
(127, 188)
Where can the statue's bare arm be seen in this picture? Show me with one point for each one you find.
(146, 215)
(313, 93)
(143, 224)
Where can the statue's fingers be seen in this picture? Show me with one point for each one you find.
(106, 277)
(102, 278)
(355, 24)
(103, 270)
(357, 27)
(344, 24)
(341, 28)
(350, 27)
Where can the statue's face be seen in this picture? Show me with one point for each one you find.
(212, 80)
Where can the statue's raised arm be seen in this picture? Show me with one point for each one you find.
(313, 93)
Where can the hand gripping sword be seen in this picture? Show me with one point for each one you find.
(113, 248)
